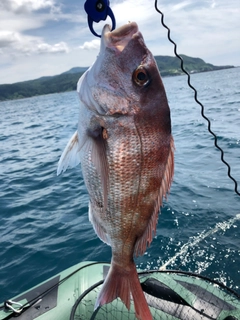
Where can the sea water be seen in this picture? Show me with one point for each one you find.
(44, 226)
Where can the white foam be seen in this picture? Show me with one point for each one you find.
(203, 235)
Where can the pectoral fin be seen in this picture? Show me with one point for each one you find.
(70, 156)
(94, 144)
(98, 147)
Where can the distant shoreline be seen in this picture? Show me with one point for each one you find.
(195, 72)
(67, 81)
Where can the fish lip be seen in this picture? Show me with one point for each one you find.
(120, 37)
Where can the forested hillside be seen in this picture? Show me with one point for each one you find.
(67, 81)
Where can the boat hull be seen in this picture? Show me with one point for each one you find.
(71, 295)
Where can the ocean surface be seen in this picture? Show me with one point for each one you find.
(44, 226)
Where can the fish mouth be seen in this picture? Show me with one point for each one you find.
(120, 37)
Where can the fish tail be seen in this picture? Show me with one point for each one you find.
(121, 283)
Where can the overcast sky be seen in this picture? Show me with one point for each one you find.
(48, 37)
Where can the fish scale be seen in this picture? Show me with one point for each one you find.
(126, 150)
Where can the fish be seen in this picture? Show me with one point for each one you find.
(126, 149)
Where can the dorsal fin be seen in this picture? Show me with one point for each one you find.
(144, 241)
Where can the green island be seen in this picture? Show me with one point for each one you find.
(67, 81)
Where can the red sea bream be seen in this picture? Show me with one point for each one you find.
(126, 150)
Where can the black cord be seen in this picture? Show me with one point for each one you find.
(74, 308)
(30, 303)
(148, 273)
(196, 99)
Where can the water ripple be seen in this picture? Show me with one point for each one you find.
(44, 218)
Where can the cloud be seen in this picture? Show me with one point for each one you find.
(32, 33)
(14, 43)
(205, 31)
(213, 4)
(127, 10)
(42, 48)
(7, 38)
(24, 6)
(17, 18)
(94, 44)
(181, 5)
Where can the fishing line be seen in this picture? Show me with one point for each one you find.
(196, 99)
(194, 241)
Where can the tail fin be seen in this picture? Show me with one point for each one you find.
(121, 283)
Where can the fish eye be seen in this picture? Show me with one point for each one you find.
(140, 76)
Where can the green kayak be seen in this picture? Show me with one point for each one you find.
(171, 295)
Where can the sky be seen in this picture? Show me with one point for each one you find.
(48, 37)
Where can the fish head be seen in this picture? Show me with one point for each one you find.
(124, 78)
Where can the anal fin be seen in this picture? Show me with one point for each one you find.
(93, 213)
